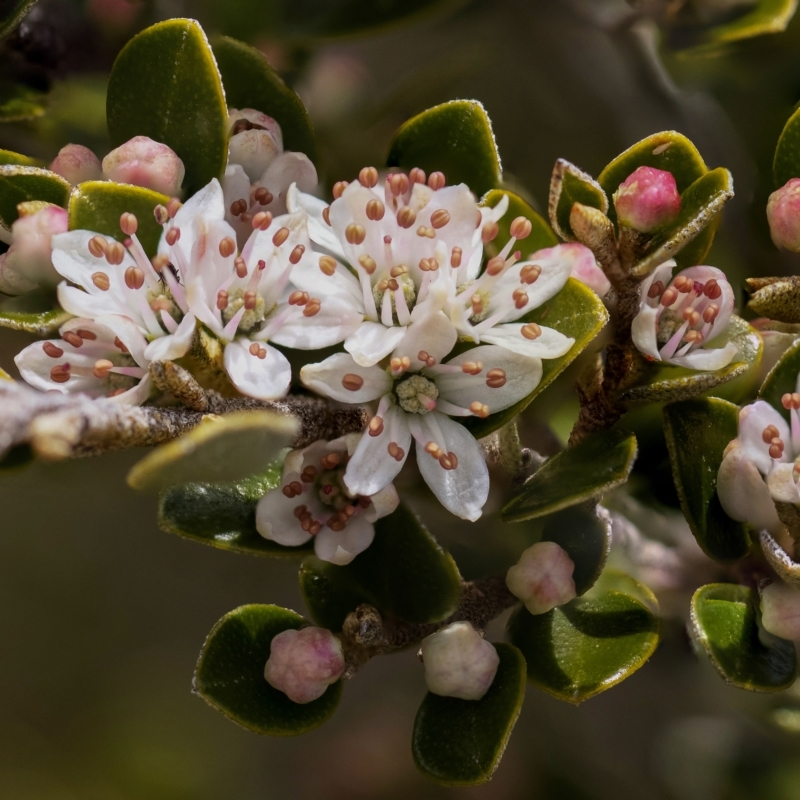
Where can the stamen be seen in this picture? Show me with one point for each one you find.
(161, 214)
(326, 215)
(477, 304)
(173, 207)
(712, 290)
(328, 265)
(495, 378)
(280, 237)
(222, 299)
(239, 207)
(790, 401)
(656, 290)
(250, 300)
(436, 181)
(694, 337)
(489, 232)
(479, 409)
(294, 489)
(86, 334)
(71, 338)
(495, 265)
(397, 271)
(263, 196)
(440, 218)
(448, 461)
(395, 451)
(398, 185)
(771, 432)
(375, 210)
(521, 228)
(433, 449)
(330, 461)
(308, 474)
(368, 263)
(134, 278)
(399, 365)
(102, 368)
(455, 257)
(375, 426)
(296, 254)
(531, 331)
(355, 233)
(173, 234)
(262, 220)
(115, 253)
(417, 175)
(520, 297)
(338, 188)
(120, 345)
(352, 382)
(160, 262)
(683, 284)
(776, 448)
(428, 265)
(60, 373)
(530, 273)
(240, 266)
(52, 350)
(422, 231)
(368, 177)
(312, 307)
(669, 297)
(406, 216)
(691, 316)
(711, 313)
(98, 246)
(472, 367)
(426, 358)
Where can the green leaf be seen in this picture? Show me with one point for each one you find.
(19, 184)
(455, 138)
(724, 621)
(42, 323)
(98, 205)
(541, 236)
(16, 458)
(13, 14)
(250, 82)
(598, 464)
(617, 581)
(787, 569)
(230, 674)
(576, 311)
(19, 103)
(10, 157)
(165, 85)
(768, 16)
(787, 152)
(700, 203)
(782, 379)
(218, 450)
(330, 592)
(665, 383)
(586, 646)
(224, 515)
(586, 537)
(460, 742)
(570, 185)
(697, 432)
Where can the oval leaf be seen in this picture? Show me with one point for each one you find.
(224, 515)
(782, 379)
(330, 592)
(541, 235)
(221, 449)
(42, 323)
(586, 646)
(768, 16)
(460, 742)
(230, 674)
(700, 203)
(786, 568)
(250, 82)
(576, 311)
(697, 432)
(13, 13)
(10, 157)
(618, 581)
(589, 469)
(724, 623)
(98, 205)
(20, 184)
(787, 152)
(570, 185)
(165, 85)
(19, 102)
(455, 138)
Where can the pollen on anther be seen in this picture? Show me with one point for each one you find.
(330, 461)
(71, 338)
(368, 177)
(60, 373)
(436, 181)
(263, 196)
(161, 214)
(712, 290)
(98, 246)
(262, 220)
(398, 184)
(173, 234)
(656, 290)
(52, 350)
(683, 284)
(495, 265)
(115, 254)
(395, 451)
(530, 273)
(669, 297)
(120, 345)
(495, 378)
(375, 210)
(101, 281)
(296, 254)
(479, 409)
(455, 257)
(312, 307)
(102, 368)
(375, 426)
(173, 207)
(250, 300)
(520, 297)
(352, 382)
(531, 331)
(222, 299)
(338, 188)
(368, 263)
(425, 232)
(417, 175)
(134, 278)
(406, 216)
(280, 237)
(489, 232)
(326, 215)
(355, 233)
(328, 265)
(521, 228)
(440, 218)
(472, 367)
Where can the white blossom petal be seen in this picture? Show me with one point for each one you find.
(382, 503)
(644, 332)
(275, 519)
(126, 331)
(433, 333)
(341, 547)
(334, 322)
(706, 359)
(549, 344)
(753, 419)
(372, 341)
(174, 345)
(320, 232)
(782, 484)
(326, 378)
(263, 378)
(288, 169)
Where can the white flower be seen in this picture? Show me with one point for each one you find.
(678, 316)
(414, 249)
(259, 171)
(760, 467)
(459, 662)
(313, 501)
(419, 404)
(102, 358)
(247, 300)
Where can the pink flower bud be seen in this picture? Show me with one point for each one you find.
(780, 610)
(143, 162)
(256, 140)
(783, 215)
(459, 662)
(77, 164)
(302, 664)
(647, 199)
(542, 578)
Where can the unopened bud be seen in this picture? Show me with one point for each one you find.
(647, 199)
(143, 162)
(780, 610)
(302, 664)
(783, 215)
(542, 578)
(459, 662)
(77, 164)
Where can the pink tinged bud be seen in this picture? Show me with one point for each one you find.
(302, 664)
(77, 164)
(780, 610)
(542, 578)
(783, 215)
(647, 199)
(459, 662)
(255, 141)
(143, 162)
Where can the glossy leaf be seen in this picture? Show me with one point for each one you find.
(700, 203)
(724, 621)
(165, 85)
(618, 581)
(98, 205)
(576, 311)
(460, 742)
(768, 16)
(42, 323)
(20, 184)
(13, 13)
(782, 379)
(697, 432)
(541, 236)
(586, 646)
(570, 185)
(585, 535)
(230, 674)
(218, 450)
(19, 103)
(330, 592)
(598, 464)
(787, 152)
(250, 82)
(10, 157)
(786, 568)
(664, 383)
(223, 515)
(455, 138)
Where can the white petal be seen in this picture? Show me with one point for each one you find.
(137, 395)
(462, 491)
(372, 341)
(725, 301)
(753, 419)
(82, 304)
(550, 344)
(174, 345)
(383, 503)
(321, 233)
(434, 334)
(663, 273)
(288, 169)
(275, 519)
(236, 186)
(333, 323)
(781, 484)
(326, 377)
(128, 333)
(263, 378)
(34, 366)
(308, 277)
(522, 377)
(644, 332)
(706, 359)
(371, 468)
(341, 547)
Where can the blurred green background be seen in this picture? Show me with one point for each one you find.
(102, 616)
